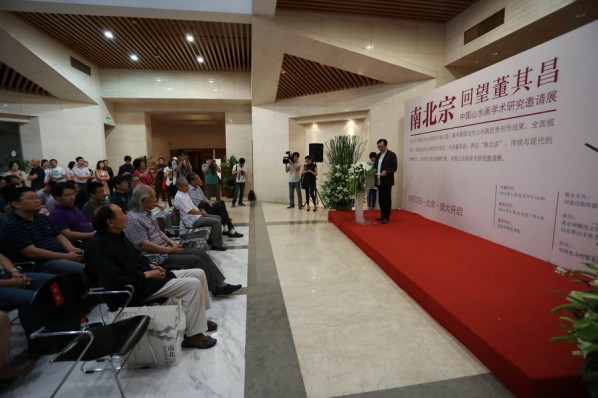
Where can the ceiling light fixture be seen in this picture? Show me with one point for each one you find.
(190, 38)
(200, 59)
(494, 53)
(210, 81)
(134, 57)
(580, 15)
(108, 34)
(370, 47)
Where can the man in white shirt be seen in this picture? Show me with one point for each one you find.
(55, 172)
(217, 208)
(240, 173)
(192, 216)
(82, 174)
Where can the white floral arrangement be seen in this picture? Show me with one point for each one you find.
(361, 176)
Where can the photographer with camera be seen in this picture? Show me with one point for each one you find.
(240, 174)
(210, 170)
(181, 164)
(293, 167)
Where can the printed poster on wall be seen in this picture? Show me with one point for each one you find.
(510, 153)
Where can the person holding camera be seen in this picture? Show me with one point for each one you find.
(210, 170)
(293, 167)
(308, 181)
(181, 164)
(240, 173)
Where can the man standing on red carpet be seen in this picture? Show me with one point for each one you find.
(386, 166)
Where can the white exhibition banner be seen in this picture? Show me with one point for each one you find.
(510, 153)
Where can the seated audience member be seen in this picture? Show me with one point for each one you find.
(45, 193)
(30, 236)
(112, 260)
(192, 216)
(143, 231)
(8, 374)
(81, 197)
(16, 292)
(120, 196)
(66, 217)
(215, 207)
(96, 199)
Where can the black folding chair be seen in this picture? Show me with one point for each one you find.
(188, 235)
(57, 306)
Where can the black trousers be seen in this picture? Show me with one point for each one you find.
(195, 258)
(218, 209)
(385, 201)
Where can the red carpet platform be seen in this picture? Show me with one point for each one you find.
(495, 300)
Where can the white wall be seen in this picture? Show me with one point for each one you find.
(274, 130)
(518, 14)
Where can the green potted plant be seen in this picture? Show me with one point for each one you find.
(581, 326)
(228, 179)
(342, 152)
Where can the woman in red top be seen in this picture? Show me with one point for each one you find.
(142, 172)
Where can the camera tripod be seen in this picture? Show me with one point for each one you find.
(318, 198)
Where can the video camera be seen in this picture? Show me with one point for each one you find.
(287, 158)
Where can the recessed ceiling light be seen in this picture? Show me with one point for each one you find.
(169, 89)
(200, 59)
(108, 34)
(190, 38)
(370, 47)
(494, 53)
(580, 15)
(134, 57)
(210, 81)
(215, 89)
(158, 79)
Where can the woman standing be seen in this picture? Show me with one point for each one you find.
(16, 172)
(70, 176)
(101, 175)
(142, 172)
(308, 178)
(110, 174)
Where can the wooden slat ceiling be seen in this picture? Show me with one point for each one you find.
(299, 77)
(425, 10)
(160, 44)
(11, 80)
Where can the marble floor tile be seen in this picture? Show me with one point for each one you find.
(233, 264)
(354, 329)
(216, 372)
(237, 242)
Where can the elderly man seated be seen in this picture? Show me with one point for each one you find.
(194, 217)
(143, 231)
(112, 260)
(215, 207)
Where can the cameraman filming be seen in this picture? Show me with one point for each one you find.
(293, 167)
(210, 170)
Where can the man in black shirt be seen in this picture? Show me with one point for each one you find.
(112, 260)
(126, 169)
(120, 196)
(37, 175)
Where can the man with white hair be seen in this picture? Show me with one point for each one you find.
(192, 216)
(143, 231)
